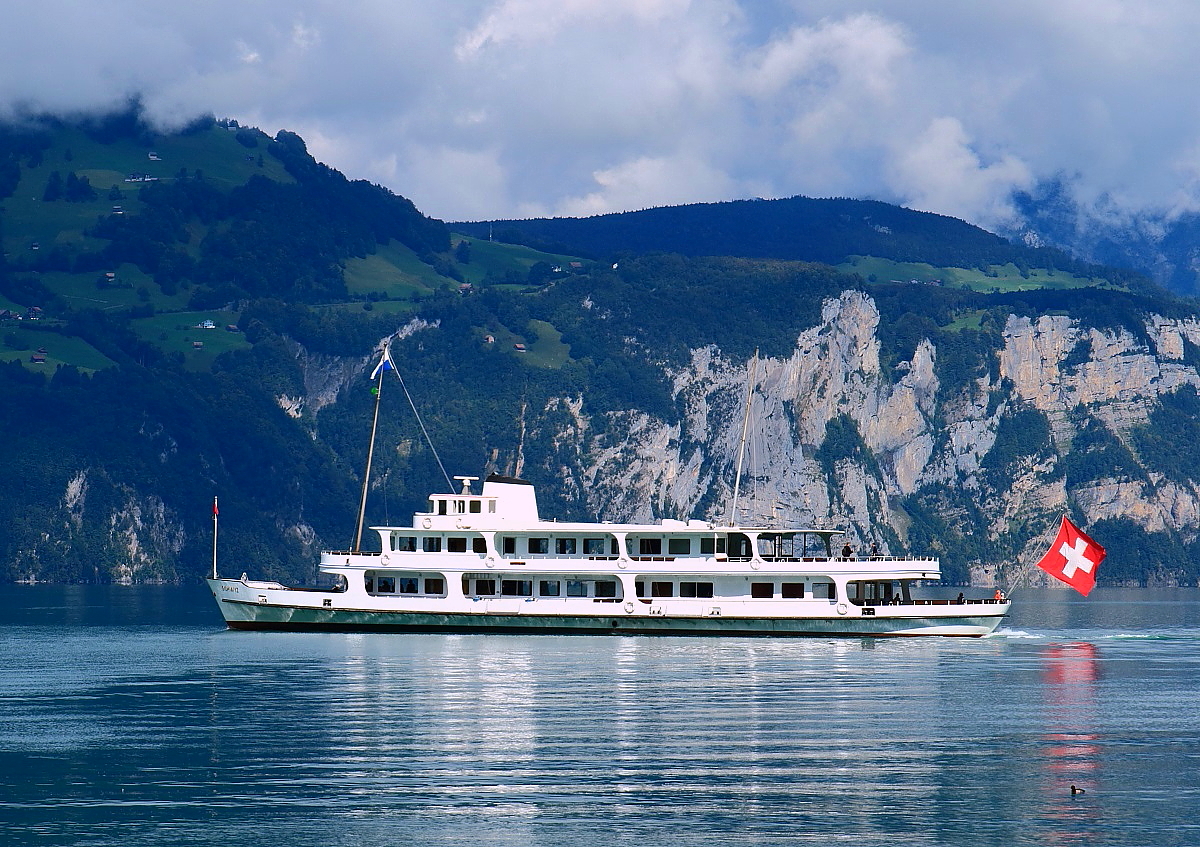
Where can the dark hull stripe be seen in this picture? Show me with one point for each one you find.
(251, 616)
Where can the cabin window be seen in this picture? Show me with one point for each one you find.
(564, 546)
(639, 588)
(762, 590)
(679, 546)
(369, 583)
(593, 546)
(650, 546)
(475, 507)
(408, 585)
(435, 585)
(824, 591)
(456, 545)
(441, 507)
(539, 545)
(491, 507)
(576, 588)
(510, 546)
(516, 587)
(478, 545)
(460, 507)
(606, 588)
(386, 585)
(431, 544)
(739, 546)
(792, 591)
(695, 589)
(549, 588)
(662, 589)
(404, 543)
(485, 587)
(708, 546)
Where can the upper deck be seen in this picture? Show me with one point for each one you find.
(501, 527)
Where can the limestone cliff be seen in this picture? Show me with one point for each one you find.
(922, 449)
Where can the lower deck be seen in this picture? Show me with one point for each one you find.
(598, 605)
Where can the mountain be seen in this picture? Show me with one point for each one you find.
(208, 333)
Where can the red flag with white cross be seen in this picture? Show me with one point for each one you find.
(1073, 558)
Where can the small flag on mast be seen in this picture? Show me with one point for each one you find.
(385, 364)
(215, 512)
(1073, 558)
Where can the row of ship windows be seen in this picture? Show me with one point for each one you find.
(569, 546)
(600, 588)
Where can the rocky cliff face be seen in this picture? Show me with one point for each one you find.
(911, 447)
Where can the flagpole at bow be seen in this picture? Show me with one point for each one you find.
(215, 513)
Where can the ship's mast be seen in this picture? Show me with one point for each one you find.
(385, 363)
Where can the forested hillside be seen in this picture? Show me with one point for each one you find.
(193, 315)
(797, 228)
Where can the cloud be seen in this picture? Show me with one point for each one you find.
(940, 171)
(501, 108)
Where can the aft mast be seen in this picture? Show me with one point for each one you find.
(737, 480)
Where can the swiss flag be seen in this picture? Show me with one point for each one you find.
(1073, 558)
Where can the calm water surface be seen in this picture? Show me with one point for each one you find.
(131, 716)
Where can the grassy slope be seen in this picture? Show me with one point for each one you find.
(32, 224)
(999, 279)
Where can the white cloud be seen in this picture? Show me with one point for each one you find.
(494, 108)
(644, 182)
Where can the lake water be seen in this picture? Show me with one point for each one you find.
(129, 716)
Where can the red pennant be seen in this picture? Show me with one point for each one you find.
(1073, 558)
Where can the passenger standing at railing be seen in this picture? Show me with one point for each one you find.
(847, 551)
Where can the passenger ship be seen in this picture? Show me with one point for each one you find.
(488, 562)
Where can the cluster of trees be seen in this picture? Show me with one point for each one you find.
(74, 189)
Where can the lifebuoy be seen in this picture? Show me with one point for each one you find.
(385, 558)
(427, 523)
(842, 608)
(629, 608)
(491, 563)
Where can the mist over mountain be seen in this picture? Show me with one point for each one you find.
(1164, 245)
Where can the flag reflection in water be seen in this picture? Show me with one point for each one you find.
(1070, 673)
